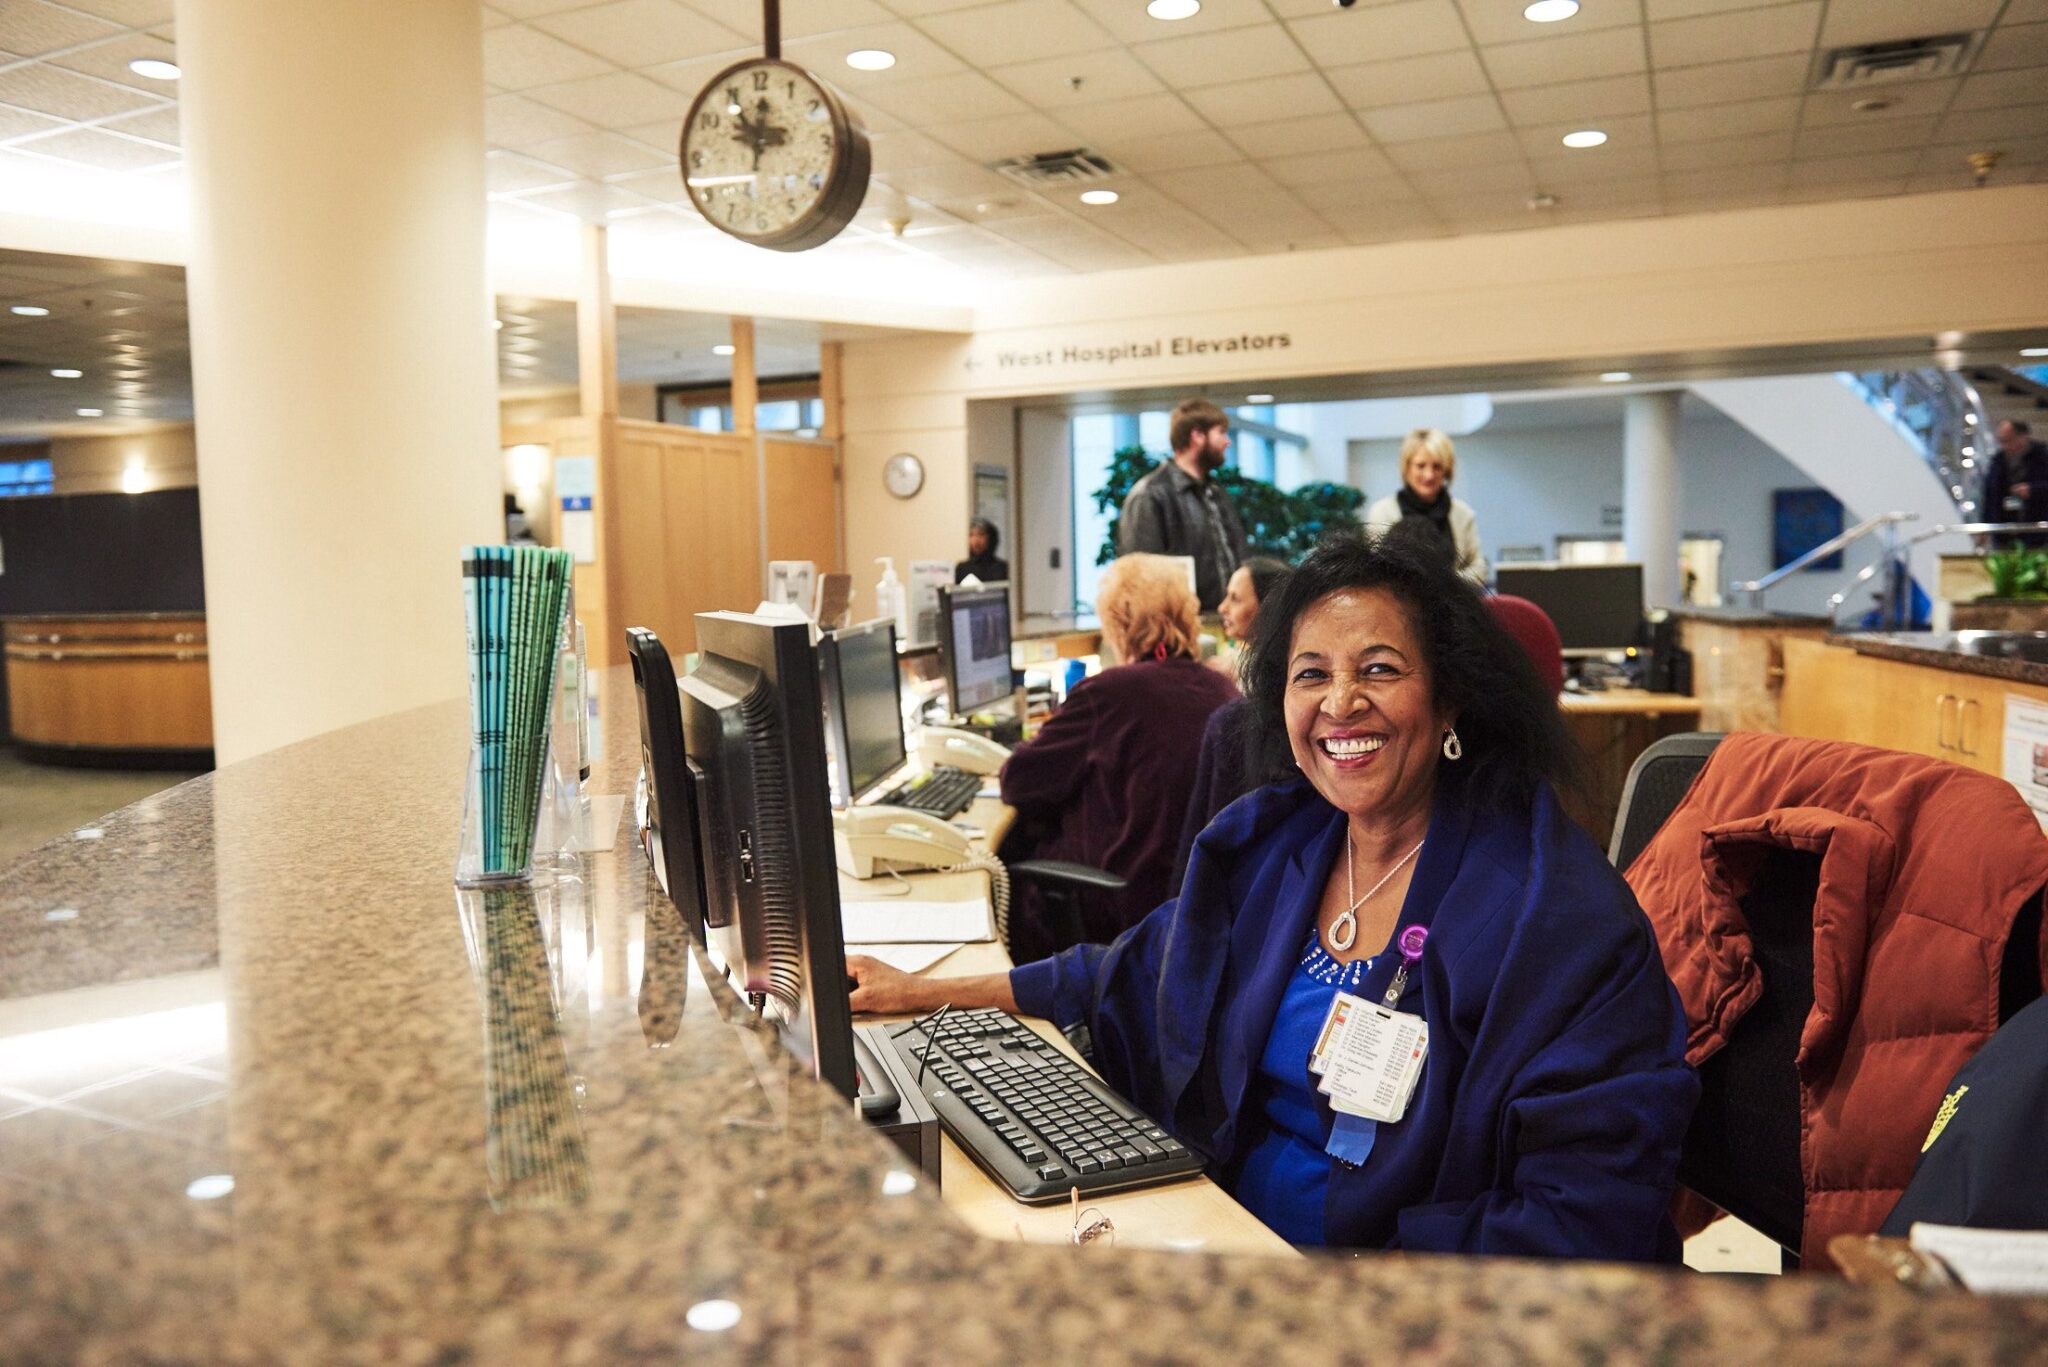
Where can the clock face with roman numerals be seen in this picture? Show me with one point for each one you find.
(772, 156)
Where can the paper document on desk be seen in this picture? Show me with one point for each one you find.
(899, 921)
(1989, 1261)
(905, 958)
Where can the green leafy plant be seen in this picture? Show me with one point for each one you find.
(2018, 573)
(1276, 523)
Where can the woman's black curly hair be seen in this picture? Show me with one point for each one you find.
(1510, 725)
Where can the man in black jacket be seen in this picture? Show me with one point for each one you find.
(1178, 509)
(2016, 484)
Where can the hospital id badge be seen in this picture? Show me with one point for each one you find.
(1374, 1061)
(1342, 1007)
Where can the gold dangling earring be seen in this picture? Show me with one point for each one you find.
(1453, 750)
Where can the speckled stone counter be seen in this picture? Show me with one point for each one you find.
(529, 1128)
(1957, 650)
(1729, 615)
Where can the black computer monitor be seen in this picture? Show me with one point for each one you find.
(974, 647)
(863, 707)
(670, 836)
(1595, 607)
(750, 718)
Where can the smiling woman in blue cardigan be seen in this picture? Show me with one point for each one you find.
(1413, 751)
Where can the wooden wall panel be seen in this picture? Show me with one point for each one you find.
(688, 530)
(803, 502)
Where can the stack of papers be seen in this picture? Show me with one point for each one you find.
(2009, 1262)
(897, 921)
(513, 598)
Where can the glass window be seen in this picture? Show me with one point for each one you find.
(21, 478)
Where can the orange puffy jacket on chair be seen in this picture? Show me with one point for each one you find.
(1924, 865)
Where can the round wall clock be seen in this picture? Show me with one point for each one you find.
(773, 156)
(903, 476)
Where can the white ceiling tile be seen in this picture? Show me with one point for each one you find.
(1340, 198)
(107, 151)
(43, 89)
(1880, 166)
(1885, 21)
(1598, 166)
(1007, 135)
(637, 33)
(1732, 37)
(1057, 84)
(1997, 89)
(1504, 212)
(2010, 46)
(15, 123)
(619, 100)
(1570, 57)
(1511, 180)
(1881, 135)
(1356, 166)
(1239, 102)
(33, 27)
(158, 125)
(907, 151)
(806, 18)
(1191, 63)
(1578, 100)
(1407, 28)
(1451, 154)
(1016, 31)
(1129, 23)
(912, 9)
(1501, 21)
(957, 95)
(1147, 116)
(508, 173)
(1432, 76)
(1658, 10)
(109, 61)
(1293, 137)
(1902, 100)
(128, 13)
(1579, 202)
(517, 122)
(530, 9)
(2016, 12)
(958, 180)
(517, 57)
(1173, 152)
(1994, 125)
(591, 203)
(662, 136)
(1753, 150)
(495, 18)
(1723, 82)
(1831, 192)
(1435, 119)
(1728, 120)
(1202, 190)
(1725, 179)
(597, 155)
(991, 213)
(693, 74)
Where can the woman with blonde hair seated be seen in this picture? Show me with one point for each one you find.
(1428, 462)
(1105, 780)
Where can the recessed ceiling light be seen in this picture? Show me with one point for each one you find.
(1585, 137)
(712, 1317)
(870, 59)
(1173, 10)
(90, 413)
(210, 1188)
(154, 69)
(2034, 351)
(30, 310)
(1615, 377)
(722, 349)
(497, 324)
(66, 374)
(1550, 11)
(1099, 196)
(1258, 398)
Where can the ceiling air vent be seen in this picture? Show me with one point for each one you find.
(1913, 59)
(1076, 166)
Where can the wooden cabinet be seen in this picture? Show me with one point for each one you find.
(1833, 693)
(109, 683)
(1738, 669)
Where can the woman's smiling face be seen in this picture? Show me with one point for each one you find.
(1362, 716)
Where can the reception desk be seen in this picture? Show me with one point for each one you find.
(307, 1103)
(93, 685)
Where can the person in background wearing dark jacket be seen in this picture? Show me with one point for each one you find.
(2016, 484)
(1100, 781)
(1178, 509)
(1220, 775)
(982, 561)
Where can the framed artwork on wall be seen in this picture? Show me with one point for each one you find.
(1800, 520)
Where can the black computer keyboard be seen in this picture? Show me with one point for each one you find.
(1030, 1116)
(946, 792)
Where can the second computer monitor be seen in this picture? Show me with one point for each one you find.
(974, 647)
(1595, 607)
(863, 707)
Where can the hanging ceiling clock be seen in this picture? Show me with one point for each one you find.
(773, 156)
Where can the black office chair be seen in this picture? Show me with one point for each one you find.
(1657, 782)
(1062, 885)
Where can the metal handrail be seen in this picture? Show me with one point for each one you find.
(1825, 548)
(1976, 529)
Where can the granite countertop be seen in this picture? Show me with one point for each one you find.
(198, 613)
(1970, 652)
(1728, 615)
(533, 1126)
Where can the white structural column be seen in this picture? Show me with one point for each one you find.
(1649, 500)
(343, 373)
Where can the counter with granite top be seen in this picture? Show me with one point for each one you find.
(532, 1126)
(1996, 654)
(1736, 616)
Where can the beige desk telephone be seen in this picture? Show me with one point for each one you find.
(895, 838)
(962, 750)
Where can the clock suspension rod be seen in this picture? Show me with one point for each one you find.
(771, 29)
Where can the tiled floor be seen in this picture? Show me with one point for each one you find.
(39, 802)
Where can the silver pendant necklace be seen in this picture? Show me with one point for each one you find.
(1344, 930)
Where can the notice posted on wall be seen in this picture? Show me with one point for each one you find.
(576, 487)
(2026, 751)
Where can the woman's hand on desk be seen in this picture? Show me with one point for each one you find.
(881, 990)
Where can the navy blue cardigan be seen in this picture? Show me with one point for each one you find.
(1550, 1111)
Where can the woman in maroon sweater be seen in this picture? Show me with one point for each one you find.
(1106, 781)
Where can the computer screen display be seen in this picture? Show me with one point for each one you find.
(670, 835)
(771, 886)
(863, 707)
(974, 646)
(1595, 607)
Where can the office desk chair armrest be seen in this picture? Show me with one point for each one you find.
(1059, 873)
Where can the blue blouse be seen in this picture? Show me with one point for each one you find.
(1286, 1173)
